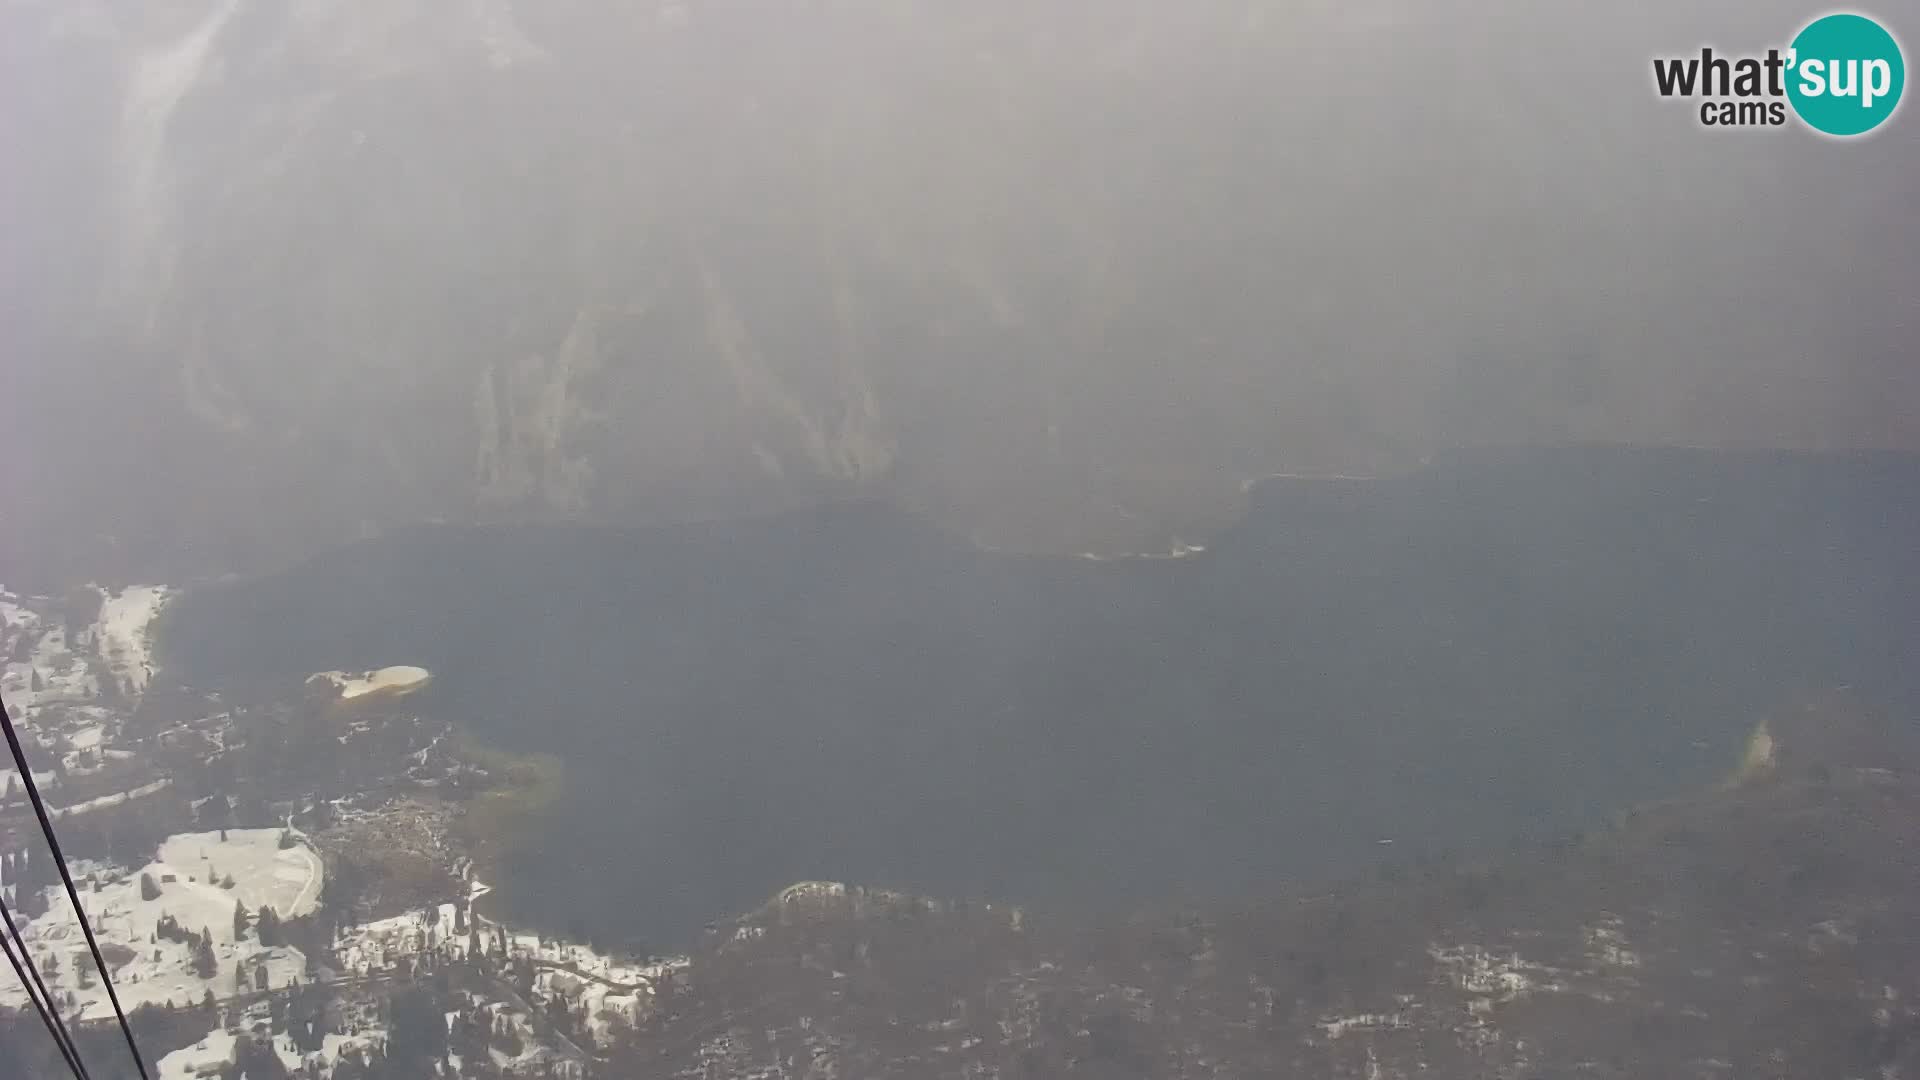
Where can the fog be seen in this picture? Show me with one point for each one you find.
(1061, 276)
(892, 538)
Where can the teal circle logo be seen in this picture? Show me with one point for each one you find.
(1845, 75)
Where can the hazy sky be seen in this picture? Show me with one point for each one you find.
(1055, 271)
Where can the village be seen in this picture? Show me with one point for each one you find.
(240, 879)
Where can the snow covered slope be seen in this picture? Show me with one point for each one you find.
(189, 888)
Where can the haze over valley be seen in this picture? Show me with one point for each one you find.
(932, 539)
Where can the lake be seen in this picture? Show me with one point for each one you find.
(1502, 644)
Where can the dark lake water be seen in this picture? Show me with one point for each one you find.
(1501, 644)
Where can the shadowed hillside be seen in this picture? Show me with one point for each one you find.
(1757, 931)
(1059, 276)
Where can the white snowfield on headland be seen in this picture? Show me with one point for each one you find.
(388, 680)
(188, 876)
(124, 629)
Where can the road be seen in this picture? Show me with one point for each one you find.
(316, 871)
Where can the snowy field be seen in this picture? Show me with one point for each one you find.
(122, 635)
(217, 1049)
(74, 687)
(41, 663)
(53, 671)
(59, 668)
(195, 1062)
(160, 971)
(263, 873)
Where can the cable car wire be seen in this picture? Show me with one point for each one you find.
(73, 894)
(29, 976)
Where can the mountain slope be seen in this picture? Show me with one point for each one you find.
(1762, 930)
(1060, 276)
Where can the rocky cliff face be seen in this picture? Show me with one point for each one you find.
(1060, 275)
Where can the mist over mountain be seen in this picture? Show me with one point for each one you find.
(925, 538)
(1058, 276)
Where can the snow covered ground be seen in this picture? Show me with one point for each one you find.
(288, 879)
(1179, 550)
(200, 1060)
(47, 665)
(601, 1004)
(600, 988)
(153, 787)
(72, 687)
(51, 673)
(373, 946)
(584, 960)
(388, 680)
(220, 1048)
(159, 971)
(123, 634)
